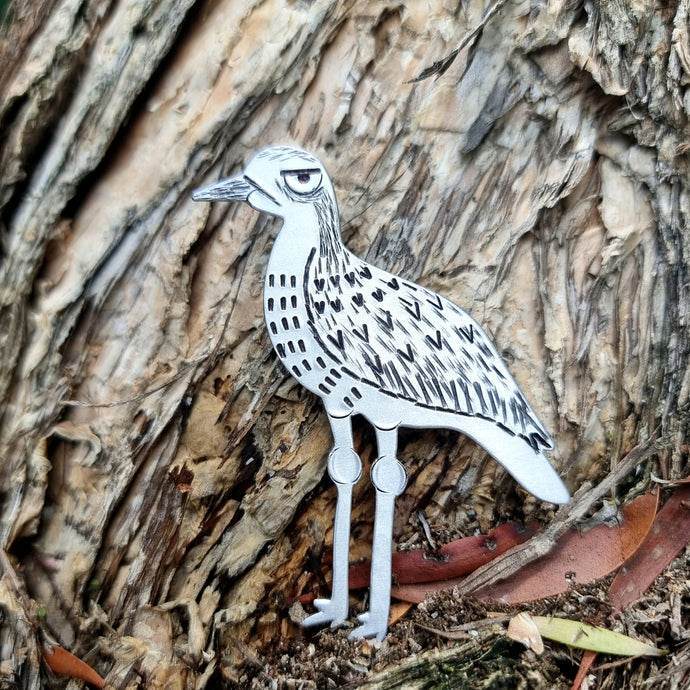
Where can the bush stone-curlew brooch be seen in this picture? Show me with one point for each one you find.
(371, 343)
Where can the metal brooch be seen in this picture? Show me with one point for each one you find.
(371, 343)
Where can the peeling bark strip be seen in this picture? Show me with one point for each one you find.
(541, 183)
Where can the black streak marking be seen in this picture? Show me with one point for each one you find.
(409, 355)
(498, 372)
(356, 393)
(335, 280)
(365, 272)
(296, 372)
(454, 392)
(374, 364)
(285, 323)
(420, 381)
(350, 277)
(467, 334)
(269, 304)
(306, 365)
(485, 349)
(438, 343)
(336, 374)
(271, 280)
(302, 347)
(320, 362)
(319, 283)
(293, 281)
(323, 389)
(364, 334)
(348, 402)
(291, 346)
(436, 302)
(339, 342)
(466, 392)
(387, 323)
(320, 306)
(482, 361)
(295, 322)
(439, 391)
(337, 305)
(413, 312)
(293, 301)
(358, 299)
(480, 395)
(393, 282)
(513, 408)
(273, 327)
(283, 303)
(494, 407)
(282, 280)
(377, 295)
(396, 376)
(281, 349)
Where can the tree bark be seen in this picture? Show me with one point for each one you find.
(163, 478)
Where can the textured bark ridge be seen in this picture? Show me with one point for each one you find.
(161, 474)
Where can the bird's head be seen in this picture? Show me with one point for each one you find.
(280, 180)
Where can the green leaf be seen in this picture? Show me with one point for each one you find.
(594, 638)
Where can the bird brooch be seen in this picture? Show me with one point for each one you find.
(372, 343)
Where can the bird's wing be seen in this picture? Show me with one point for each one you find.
(412, 343)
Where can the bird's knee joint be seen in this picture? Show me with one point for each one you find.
(389, 475)
(344, 466)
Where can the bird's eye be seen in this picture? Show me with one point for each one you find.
(302, 181)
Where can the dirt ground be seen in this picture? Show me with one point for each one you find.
(417, 653)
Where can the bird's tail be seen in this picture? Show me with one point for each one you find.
(529, 467)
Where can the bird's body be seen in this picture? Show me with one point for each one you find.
(371, 343)
(375, 335)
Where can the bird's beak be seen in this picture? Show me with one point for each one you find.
(230, 189)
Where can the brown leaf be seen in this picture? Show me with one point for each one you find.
(451, 560)
(398, 610)
(579, 557)
(66, 664)
(666, 539)
(586, 662)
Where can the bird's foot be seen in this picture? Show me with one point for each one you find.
(330, 611)
(374, 624)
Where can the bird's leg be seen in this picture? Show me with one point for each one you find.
(345, 469)
(389, 477)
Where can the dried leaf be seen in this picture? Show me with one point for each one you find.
(594, 638)
(398, 610)
(579, 556)
(586, 662)
(668, 536)
(65, 663)
(451, 561)
(522, 628)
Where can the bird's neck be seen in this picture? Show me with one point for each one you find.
(331, 249)
(315, 232)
